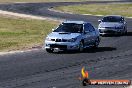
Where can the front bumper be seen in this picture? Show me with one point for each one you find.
(61, 45)
(110, 31)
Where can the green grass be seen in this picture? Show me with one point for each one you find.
(99, 9)
(22, 34)
(12, 1)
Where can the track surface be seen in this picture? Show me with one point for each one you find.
(38, 69)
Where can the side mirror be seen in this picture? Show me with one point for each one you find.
(121, 21)
(99, 20)
(53, 29)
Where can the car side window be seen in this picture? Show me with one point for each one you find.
(91, 28)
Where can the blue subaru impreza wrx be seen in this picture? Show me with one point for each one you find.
(72, 35)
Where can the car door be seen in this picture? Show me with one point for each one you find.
(87, 35)
(92, 33)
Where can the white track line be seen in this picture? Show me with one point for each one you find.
(13, 14)
(8, 13)
(80, 14)
(14, 52)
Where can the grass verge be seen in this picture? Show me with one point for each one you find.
(99, 9)
(23, 33)
(12, 1)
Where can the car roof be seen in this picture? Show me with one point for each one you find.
(76, 22)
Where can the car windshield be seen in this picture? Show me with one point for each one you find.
(70, 28)
(112, 19)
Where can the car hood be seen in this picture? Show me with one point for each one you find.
(110, 24)
(60, 35)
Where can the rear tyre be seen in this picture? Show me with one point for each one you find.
(96, 43)
(49, 50)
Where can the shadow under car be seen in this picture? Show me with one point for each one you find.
(88, 50)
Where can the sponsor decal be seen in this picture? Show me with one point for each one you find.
(87, 81)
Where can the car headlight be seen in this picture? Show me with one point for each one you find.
(72, 40)
(100, 27)
(119, 27)
(48, 39)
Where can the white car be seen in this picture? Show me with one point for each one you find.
(112, 25)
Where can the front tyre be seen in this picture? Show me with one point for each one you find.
(81, 46)
(49, 50)
(125, 32)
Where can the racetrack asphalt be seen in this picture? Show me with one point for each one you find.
(39, 69)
